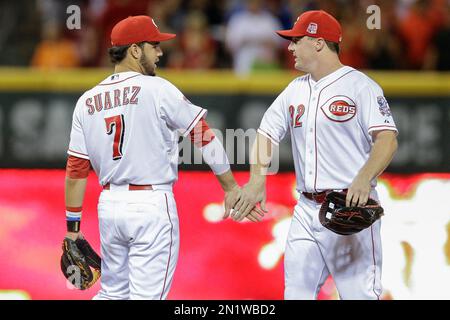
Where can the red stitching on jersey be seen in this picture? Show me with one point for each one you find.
(170, 248)
(107, 84)
(315, 121)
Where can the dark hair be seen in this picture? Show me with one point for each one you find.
(118, 53)
(333, 46)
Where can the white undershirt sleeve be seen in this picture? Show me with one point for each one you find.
(215, 156)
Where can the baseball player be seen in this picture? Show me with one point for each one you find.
(127, 127)
(343, 137)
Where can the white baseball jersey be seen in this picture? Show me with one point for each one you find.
(330, 122)
(128, 127)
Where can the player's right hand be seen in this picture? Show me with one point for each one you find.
(231, 198)
(252, 194)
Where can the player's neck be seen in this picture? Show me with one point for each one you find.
(126, 67)
(326, 67)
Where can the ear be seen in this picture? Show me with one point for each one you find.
(135, 51)
(320, 44)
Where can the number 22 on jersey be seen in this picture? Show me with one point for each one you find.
(295, 118)
(117, 123)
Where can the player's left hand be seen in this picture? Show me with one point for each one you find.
(358, 193)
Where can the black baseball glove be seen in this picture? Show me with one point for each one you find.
(80, 264)
(335, 216)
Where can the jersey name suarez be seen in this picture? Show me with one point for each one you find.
(112, 99)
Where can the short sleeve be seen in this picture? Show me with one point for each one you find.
(275, 121)
(177, 111)
(375, 113)
(77, 145)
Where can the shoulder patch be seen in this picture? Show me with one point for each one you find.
(383, 106)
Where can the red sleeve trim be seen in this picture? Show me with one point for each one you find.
(77, 168)
(201, 134)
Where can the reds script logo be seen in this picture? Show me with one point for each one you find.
(340, 109)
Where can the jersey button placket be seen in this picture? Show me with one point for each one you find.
(310, 146)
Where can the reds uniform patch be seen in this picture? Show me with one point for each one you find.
(340, 109)
(383, 106)
(312, 28)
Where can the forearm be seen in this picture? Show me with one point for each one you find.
(227, 181)
(254, 191)
(77, 171)
(74, 192)
(260, 158)
(381, 155)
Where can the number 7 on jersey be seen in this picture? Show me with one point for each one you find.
(118, 123)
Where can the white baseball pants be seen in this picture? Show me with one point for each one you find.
(139, 236)
(314, 252)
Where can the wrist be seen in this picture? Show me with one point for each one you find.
(364, 176)
(73, 219)
(257, 181)
(230, 186)
(72, 235)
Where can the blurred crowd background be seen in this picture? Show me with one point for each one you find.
(235, 34)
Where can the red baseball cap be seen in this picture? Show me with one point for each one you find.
(316, 24)
(137, 29)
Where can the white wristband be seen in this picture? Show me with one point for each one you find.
(73, 216)
(214, 155)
